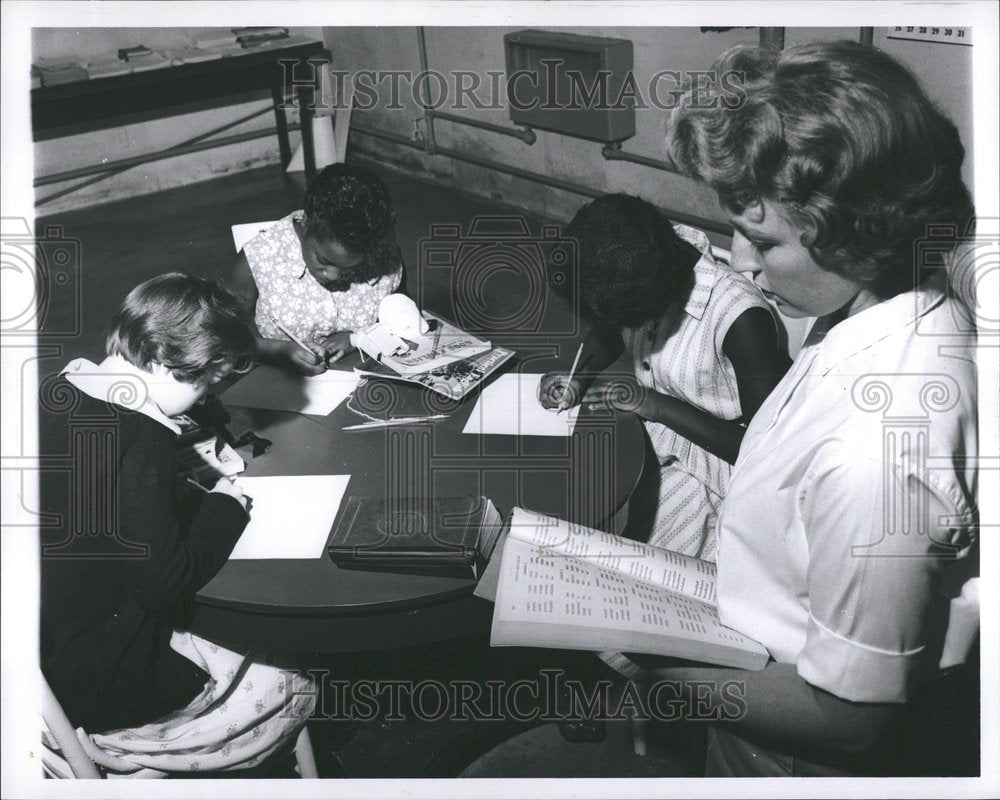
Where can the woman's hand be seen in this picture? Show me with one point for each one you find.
(226, 486)
(620, 393)
(555, 391)
(336, 346)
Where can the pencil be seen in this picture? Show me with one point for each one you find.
(384, 423)
(569, 380)
(295, 339)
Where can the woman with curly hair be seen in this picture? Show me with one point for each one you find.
(849, 526)
(320, 273)
(704, 351)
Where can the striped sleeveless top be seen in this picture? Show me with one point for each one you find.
(681, 355)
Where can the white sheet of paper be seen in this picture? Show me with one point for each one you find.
(273, 532)
(245, 231)
(510, 406)
(274, 389)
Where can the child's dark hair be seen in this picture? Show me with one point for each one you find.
(631, 262)
(350, 205)
(191, 325)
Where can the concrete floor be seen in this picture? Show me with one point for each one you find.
(120, 244)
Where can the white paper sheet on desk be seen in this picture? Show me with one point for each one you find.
(291, 515)
(510, 406)
(274, 389)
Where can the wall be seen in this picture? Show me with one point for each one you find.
(72, 152)
(944, 69)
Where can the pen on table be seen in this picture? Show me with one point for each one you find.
(295, 339)
(569, 380)
(384, 423)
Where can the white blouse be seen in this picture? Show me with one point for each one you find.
(850, 520)
(681, 355)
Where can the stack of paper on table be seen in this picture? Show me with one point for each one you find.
(510, 406)
(275, 531)
(56, 71)
(107, 65)
(277, 390)
(211, 38)
(190, 55)
(567, 586)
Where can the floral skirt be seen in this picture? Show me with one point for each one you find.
(248, 711)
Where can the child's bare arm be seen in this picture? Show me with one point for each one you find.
(751, 345)
(753, 348)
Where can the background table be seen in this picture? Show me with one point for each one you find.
(100, 103)
(313, 606)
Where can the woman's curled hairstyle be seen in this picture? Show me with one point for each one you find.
(845, 139)
(193, 326)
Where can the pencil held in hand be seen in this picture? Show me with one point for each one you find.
(297, 340)
(569, 381)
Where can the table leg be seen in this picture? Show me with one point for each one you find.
(306, 95)
(281, 121)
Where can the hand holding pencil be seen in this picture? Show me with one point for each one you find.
(307, 359)
(559, 391)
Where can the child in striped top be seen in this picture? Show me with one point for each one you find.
(704, 353)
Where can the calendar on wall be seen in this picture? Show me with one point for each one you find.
(931, 33)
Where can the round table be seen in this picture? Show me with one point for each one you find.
(314, 606)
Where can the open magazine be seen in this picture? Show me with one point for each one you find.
(443, 344)
(454, 379)
(567, 586)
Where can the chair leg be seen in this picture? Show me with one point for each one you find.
(305, 760)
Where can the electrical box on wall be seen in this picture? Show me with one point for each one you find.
(571, 84)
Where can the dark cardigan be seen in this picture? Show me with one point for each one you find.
(123, 554)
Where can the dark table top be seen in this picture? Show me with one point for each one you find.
(312, 605)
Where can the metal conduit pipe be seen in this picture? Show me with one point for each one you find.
(430, 143)
(613, 152)
(525, 134)
(517, 172)
(773, 38)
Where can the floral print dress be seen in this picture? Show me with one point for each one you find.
(289, 294)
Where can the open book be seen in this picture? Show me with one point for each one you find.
(566, 586)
